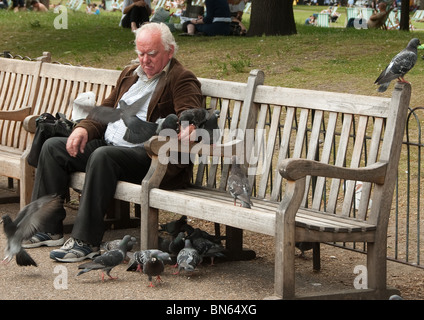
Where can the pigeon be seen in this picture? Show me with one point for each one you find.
(399, 66)
(238, 184)
(153, 266)
(206, 124)
(114, 244)
(174, 227)
(138, 130)
(32, 218)
(139, 258)
(304, 246)
(177, 243)
(188, 258)
(207, 248)
(199, 233)
(108, 260)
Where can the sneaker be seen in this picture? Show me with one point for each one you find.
(73, 251)
(44, 239)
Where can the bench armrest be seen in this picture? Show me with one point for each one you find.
(295, 169)
(162, 146)
(30, 124)
(15, 115)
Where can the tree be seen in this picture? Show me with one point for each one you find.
(404, 15)
(272, 17)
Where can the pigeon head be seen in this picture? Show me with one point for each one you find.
(414, 43)
(6, 219)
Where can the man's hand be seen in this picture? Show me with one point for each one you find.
(77, 141)
(186, 133)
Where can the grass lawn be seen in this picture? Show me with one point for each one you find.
(334, 59)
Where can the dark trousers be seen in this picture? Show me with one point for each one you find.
(104, 166)
(139, 15)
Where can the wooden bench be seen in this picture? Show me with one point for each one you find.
(18, 90)
(310, 151)
(305, 152)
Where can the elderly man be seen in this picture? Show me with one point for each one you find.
(159, 86)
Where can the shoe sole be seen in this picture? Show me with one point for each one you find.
(88, 256)
(46, 243)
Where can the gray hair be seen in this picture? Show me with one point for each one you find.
(168, 39)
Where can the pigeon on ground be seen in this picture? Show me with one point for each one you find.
(399, 66)
(207, 248)
(139, 258)
(238, 184)
(199, 233)
(31, 219)
(188, 258)
(304, 246)
(108, 260)
(177, 244)
(114, 244)
(153, 266)
(174, 227)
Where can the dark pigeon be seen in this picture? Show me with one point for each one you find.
(188, 258)
(238, 184)
(108, 260)
(304, 246)
(177, 243)
(206, 124)
(399, 66)
(139, 258)
(138, 130)
(153, 267)
(174, 227)
(31, 219)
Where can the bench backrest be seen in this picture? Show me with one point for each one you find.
(61, 84)
(18, 89)
(335, 128)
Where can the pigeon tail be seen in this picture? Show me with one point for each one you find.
(24, 259)
(383, 87)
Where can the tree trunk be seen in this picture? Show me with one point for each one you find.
(404, 15)
(271, 18)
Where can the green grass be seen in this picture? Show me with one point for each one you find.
(334, 59)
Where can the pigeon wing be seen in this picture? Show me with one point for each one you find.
(36, 216)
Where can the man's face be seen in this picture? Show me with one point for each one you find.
(151, 53)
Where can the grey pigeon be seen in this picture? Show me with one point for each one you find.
(153, 266)
(108, 260)
(188, 258)
(207, 248)
(399, 66)
(139, 258)
(32, 218)
(114, 244)
(238, 184)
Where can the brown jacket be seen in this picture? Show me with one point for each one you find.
(177, 91)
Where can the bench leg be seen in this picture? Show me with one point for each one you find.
(234, 245)
(377, 267)
(149, 222)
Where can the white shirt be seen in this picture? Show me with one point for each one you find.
(143, 88)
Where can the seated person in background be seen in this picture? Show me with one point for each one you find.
(376, 21)
(135, 13)
(156, 87)
(216, 22)
(38, 6)
(310, 21)
(236, 8)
